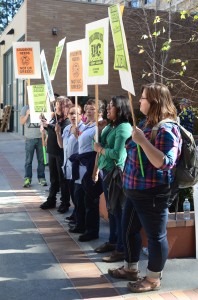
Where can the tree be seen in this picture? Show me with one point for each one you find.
(8, 9)
(167, 44)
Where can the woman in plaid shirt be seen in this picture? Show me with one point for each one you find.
(147, 197)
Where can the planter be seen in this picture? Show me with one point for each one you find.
(181, 233)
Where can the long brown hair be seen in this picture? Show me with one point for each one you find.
(161, 104)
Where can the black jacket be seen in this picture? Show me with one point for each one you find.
(93, 189)
(52, 144)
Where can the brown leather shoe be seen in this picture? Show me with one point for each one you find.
(124, 273)
(115, 256)
(106, 247)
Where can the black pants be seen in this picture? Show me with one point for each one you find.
(87, 210)
(57, 181)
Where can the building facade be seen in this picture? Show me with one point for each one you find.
(49, 21)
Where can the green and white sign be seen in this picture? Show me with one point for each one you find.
(97, 42)
(120, 62)
(58, 53)
(96, 52)
(38, 102)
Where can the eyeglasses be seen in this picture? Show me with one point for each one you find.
(110, 105)
(142, 98)
(73, 113)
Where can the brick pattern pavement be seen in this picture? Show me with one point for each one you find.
(86, 278)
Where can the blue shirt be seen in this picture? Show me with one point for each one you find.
(70, 146)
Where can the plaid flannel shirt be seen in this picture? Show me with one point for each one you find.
(169, 141)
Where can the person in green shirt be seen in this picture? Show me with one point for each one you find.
(111, 152)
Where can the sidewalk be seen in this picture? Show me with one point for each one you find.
(40, 260)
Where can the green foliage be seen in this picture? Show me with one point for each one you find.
(195, 18)
(156, 20)
(184, 14)
(183, 65)
(167, 45)
(8, 9)
(156, 33)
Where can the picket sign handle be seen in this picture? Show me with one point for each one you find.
(134, 126)
(96, 99)
(76, 106)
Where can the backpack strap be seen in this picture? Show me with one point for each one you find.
(157, 126)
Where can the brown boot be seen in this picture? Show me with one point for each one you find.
(106, 247)
(124, 273)
(115, 256)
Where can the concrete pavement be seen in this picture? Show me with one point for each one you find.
(39, 259)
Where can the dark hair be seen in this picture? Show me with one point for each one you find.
(161, 104)
(101, 105)
(78, 107)
(123, 111)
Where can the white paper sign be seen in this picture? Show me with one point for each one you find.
(125, 76)
(38, 102)
(97, 49)
(46, 76)
(26, 60)
(76, 74)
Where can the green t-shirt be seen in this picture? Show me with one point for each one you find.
(113, 141)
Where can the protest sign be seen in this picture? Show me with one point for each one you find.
(58, 53)
(97, 42)
(38, 102)
(76, 77)
(121, 62)
(26, 60)
(46, 76)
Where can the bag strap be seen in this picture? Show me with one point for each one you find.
(157, 126)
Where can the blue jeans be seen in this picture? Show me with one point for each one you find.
(149, 210)
(30, 146)
(115, 221)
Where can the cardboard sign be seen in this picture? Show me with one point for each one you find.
(97, 44)
(38, 102)
(46, 76)
(76, 77)
(59, 50)
(26, 60)
(122, 62)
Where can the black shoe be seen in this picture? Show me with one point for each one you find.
(76, 229)
(47, 205)
(87, 237)
(72, 224)
(70, 218)
(63, 209)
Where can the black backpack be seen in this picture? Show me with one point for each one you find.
(186, 171)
